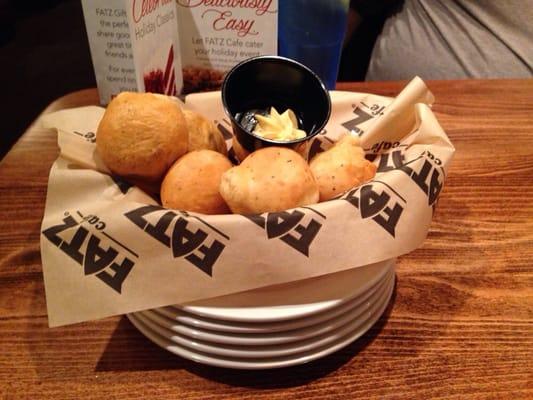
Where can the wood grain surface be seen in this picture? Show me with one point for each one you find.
(460, 324)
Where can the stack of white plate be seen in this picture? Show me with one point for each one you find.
(277, 326)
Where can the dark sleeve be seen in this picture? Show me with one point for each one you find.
(369, 8)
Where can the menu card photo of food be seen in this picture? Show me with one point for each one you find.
(134, 46)
(215, 36)
(174, 47)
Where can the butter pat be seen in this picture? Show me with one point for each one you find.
(282, 127)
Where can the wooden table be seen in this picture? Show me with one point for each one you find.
(460, 324)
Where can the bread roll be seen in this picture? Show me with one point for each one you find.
(203, 134)
(192, 183)
(341, 168)
(141, 135)
(270, 179)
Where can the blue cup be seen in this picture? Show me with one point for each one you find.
(311, 32)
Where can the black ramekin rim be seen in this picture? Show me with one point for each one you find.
(277, 59)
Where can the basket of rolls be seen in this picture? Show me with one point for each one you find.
(159, 204)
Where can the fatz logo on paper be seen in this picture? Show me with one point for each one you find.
(85, 240)
(122, 185)
(363, 113)
(389, 161)
(296, 228)
(201, 246)
(378, 201)
(427, 173)
(88, 136)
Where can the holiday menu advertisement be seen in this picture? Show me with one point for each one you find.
(157, 48)
(215, 35)
(134, 46)
(147, 45)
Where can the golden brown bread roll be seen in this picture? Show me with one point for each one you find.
(269, 179)
(141, 135)
(341, 168)
(192, 183)
(203, 134)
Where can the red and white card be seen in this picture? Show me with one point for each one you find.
(134, 46)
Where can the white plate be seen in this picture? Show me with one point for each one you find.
(360, 314)
(266, 327)
(264, 339)
(236, 363)
(291, 300)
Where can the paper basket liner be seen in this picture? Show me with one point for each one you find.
(108, 248)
